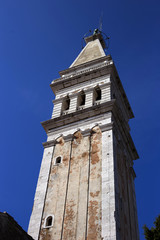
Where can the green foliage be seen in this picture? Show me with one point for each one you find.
(154, 232)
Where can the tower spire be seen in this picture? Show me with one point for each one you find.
(94, 49)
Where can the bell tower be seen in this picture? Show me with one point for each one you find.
(85, 189)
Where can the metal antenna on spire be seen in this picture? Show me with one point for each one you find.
(101, 21)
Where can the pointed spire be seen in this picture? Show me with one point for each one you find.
(94, 49)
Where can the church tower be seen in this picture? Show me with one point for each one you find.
(85, 189)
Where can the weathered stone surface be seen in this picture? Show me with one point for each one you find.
(56, 191)
(76, 199)
(91, 192)
(94, 201)
(37, 211)
(92, 51)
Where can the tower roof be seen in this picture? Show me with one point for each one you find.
(93, 50)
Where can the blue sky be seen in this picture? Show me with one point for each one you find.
(39, 38)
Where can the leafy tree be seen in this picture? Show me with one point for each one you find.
(154, 232)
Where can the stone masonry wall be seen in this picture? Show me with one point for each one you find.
(126, 213)
(74, 189)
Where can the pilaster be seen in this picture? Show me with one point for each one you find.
(57, 108)
(106, 92)
(108, 187)
(73, 103)
(39, 200)
(89, 97)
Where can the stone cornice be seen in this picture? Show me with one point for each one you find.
(106, 127)
(111, 106)
(85, 133)
(58, 100)
(49, 143)
(102, 69)
(73, 79)
(84, 65)
(78, 115)
(84, 71)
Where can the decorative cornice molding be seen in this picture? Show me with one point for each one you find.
(68, 138)
(62, 83)
(109, 106)
(85, 133)
(49, 143)
(104, 64)
(78, 115)
(85, 65)
(106, 127)
(58, 100)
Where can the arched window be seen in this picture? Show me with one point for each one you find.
(81, 100)
(97, 94)
(49, 221)
(65, 104)
(58, 160)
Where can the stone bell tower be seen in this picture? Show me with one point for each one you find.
(85, 189)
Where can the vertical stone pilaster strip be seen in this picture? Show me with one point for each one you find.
(89, 98)
(67, 188)
(57, 109)
(94, 194)
(73, 103)
(108, 187)
(106, 92)
(76, 194)
(89, 160)
(36, 216)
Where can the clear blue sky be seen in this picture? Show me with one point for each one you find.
(39, 38)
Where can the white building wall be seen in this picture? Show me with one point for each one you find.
(88, 88)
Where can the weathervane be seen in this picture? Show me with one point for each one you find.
(96, 32)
